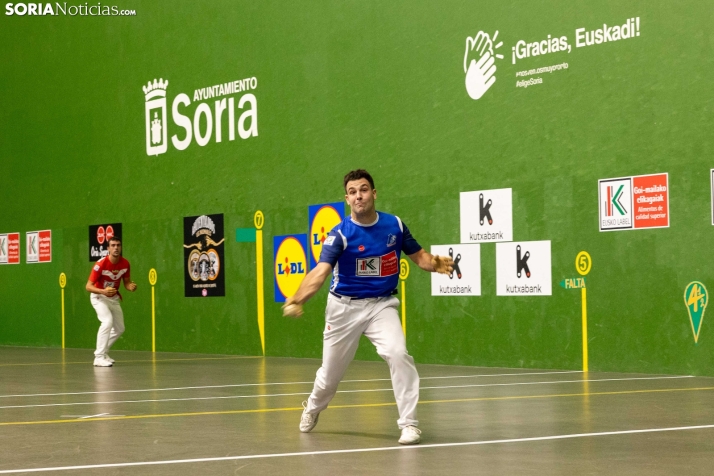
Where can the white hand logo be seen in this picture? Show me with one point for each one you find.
(480, 74)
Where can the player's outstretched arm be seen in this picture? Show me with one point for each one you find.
(432, 263)
(309, 286)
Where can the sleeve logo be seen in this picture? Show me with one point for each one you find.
(329, 241)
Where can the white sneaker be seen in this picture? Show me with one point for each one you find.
(102, 362)
(109, 358)
(308, 420)
(411, 435)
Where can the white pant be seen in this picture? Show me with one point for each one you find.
(112, 318)
(377, 318)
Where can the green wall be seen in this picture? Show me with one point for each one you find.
(379, 85)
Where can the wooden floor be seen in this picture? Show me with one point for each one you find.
(176, 414)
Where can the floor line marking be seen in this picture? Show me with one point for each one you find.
(229, 397)
(364, 450)
(357, 405)
(94, 416)
(86, 362)
(283, 383)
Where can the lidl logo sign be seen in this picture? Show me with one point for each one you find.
(290, 264)
(322, 219)
(696, 299)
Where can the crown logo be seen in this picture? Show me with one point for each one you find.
(155, 89)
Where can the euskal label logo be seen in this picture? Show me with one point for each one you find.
(615, 204)
(290, 267)
(206, 123)
(385, 265)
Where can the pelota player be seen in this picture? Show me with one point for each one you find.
(362, 253)
(103, 285)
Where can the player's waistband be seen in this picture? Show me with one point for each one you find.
(349, 298)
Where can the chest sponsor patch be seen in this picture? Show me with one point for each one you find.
(114, 275)
(386, 265)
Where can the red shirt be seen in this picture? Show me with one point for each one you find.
(106, 274)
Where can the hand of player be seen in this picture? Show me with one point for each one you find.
(109, 292)
(292, 309)
(442, 264)
(131, 286)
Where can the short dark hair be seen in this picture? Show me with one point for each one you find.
(358, 174)
(114, 238)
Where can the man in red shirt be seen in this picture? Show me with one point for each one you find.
(103, 285)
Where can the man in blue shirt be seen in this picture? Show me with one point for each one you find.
(362, 253)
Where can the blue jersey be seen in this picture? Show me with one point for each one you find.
(365, 258)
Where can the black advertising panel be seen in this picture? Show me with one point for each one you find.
(204, 265)
(99, 236)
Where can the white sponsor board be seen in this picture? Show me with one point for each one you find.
(32, 242)
(615, 198)
(465, 280)
(523, 269)
(486, 216)
(3, 248)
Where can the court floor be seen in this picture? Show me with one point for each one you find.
(209, 414)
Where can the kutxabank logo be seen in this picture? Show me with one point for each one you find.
(481, 71)
(484, 212)
(523, 268)
(206, 123)
(522, 262)
(457, 268)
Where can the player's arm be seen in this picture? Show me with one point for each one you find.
(432, 263)
(129, 284)
(332, 248)
(426, 261)
(311, 284)
(109, 292)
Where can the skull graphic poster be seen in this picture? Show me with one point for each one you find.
(204, 263)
